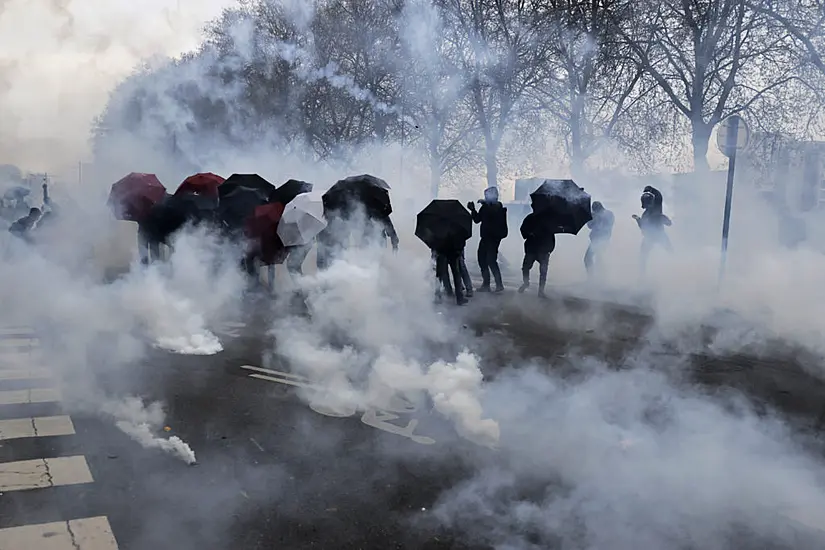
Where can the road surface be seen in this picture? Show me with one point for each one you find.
(271, 472)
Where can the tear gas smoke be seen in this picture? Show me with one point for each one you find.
(630, 459)
(367, 317)
(627, 460)
(94, 330)
(139, 421)
(60, 59)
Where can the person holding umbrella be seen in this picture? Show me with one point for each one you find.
(302, 221)
(559, 206)
(652, 223)
(537, 229)
(444, 226)
(493, 219)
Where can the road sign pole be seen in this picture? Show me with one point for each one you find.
(731, 145)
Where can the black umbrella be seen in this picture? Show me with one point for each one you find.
(288, 191)
(567, 204)
(245, 181)
(371, 192)
(173, 212)
(236, 207)
(444, 225)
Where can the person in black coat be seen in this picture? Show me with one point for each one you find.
(601, 229)
(652, 223)
(539, 242)
(493, 219)
(448, 261)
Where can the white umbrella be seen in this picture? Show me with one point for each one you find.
(302, 220)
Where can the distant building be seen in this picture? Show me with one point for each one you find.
(787, 170)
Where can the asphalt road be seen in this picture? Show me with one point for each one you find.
(273, 473)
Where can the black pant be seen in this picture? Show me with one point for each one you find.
(296, 257)
(543, 259)
(488, 261)
(443, 266)
(148, 250)
(649, 242)
(465, 275)
(592, 254)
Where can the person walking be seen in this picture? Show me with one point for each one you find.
(492, 215)
(447, 262)
(539, 243)
(601, 229)
(652, 224)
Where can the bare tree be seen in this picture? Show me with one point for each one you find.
(711, 58)
(804, 20)
(594, 83)
(434, 93)
(502, 50)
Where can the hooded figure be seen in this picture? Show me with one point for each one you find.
(539, 235)
(652, 224)
(601, 229)
(493, 219)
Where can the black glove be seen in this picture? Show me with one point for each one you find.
(471, 205)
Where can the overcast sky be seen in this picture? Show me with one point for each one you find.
(60, 58)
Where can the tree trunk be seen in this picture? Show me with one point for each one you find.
(700, 137)
(491, 163)
(435, 173)
(577, 157)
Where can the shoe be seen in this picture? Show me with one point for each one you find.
(499, 289)
(462, 301)
(523, 287)
(542, 294)
(468, 294)
(483, 288)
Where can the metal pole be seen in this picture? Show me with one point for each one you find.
(730, 142)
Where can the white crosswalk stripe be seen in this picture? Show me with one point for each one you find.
(44, 426)
(30, 396)
(78, 534)
(20, 363)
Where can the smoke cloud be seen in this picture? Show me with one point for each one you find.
(60, 59)
(625, 453)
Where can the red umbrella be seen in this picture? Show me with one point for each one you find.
(133, 196)
(203, 184)
(262, 227)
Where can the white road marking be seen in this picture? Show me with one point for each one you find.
(284, 381)
(19, 359)
(18, 342)
(44, 426)
(374, 418)
(44, 472)
(14, 331)
(25, 397)
(78, 534)
(32, 373)
(277, 373)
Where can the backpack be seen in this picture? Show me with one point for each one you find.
(501, 222)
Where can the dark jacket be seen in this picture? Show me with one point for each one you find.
(538, 233)
(653, 221)
(601, 226)
(493, 219)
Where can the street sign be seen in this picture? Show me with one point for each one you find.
(733, 136)
(729, 145)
